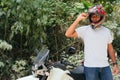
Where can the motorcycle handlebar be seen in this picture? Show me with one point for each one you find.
(67, 63)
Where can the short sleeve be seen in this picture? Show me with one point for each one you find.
(81, 31)
(110, 37)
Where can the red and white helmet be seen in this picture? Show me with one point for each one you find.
(97, 9)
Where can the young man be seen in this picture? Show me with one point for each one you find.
(98, 44)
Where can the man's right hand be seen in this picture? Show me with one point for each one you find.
(82, 16)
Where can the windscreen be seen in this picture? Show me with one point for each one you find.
(41, 57)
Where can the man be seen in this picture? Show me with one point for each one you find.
(98, 44)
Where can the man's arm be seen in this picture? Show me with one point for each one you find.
(113, 58)
(71, 30)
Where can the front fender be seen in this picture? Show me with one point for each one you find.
(58, 74)
(30, 77)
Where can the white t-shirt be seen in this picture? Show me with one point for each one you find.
(95, 45)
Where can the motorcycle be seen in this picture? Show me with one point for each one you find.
(45, 69)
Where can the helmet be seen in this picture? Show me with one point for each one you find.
(71, 50)
(98, 10)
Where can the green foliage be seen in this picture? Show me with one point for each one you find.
(61, 15)
(113, 22)
(4, 67)
(20, 67)
(87, 4)
(24, 23)
(1, 64)
(4, 45)
(75, 59)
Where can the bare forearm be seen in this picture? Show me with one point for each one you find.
(112, 56)
(71, 30)
(112, 53)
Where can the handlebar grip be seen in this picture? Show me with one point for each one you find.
(67, 63)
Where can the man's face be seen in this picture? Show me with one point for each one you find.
(95, 18)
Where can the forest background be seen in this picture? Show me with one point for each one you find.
(26, 25)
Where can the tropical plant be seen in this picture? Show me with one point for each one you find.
(29, 24)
